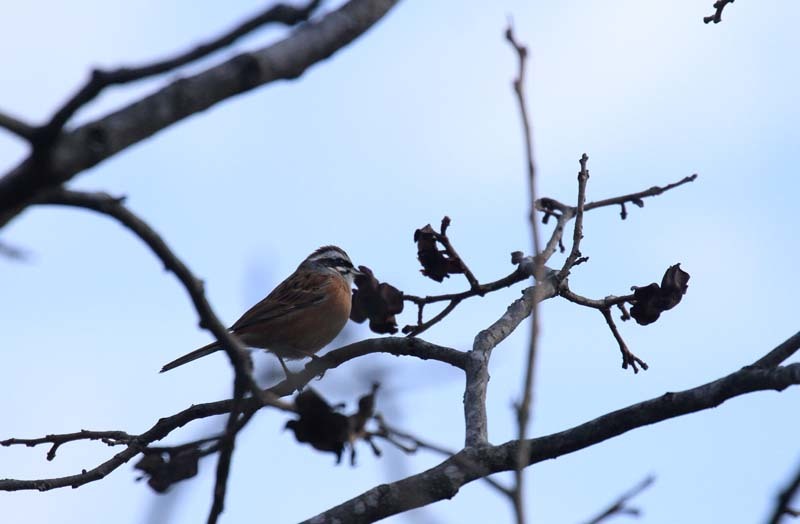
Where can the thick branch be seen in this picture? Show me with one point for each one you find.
(409, 443)
(478, 359)
(414, 347)
(96, 141)
(99, 80)
(444, 480)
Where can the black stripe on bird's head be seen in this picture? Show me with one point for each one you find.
(335, 258)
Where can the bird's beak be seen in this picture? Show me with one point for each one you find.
(356, 273)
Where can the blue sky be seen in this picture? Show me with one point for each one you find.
(414, 121)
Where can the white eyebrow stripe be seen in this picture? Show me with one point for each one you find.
(328, 252)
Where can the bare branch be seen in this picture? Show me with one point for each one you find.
(413, 331)
(113, 207)
(785, 350)
(620, 506)
(441, 266)
(393, 345)
(628, 358)
(574, 257)
(558, 232)
(564, 213)
(99, 79)
(785, 498)
(555, 208)
(226, 445)
(444, 480)
(448, 246)
(414, 347)
(519, 89)
(409, 443)
(604, 306)
(520, 274)
(112, 438)
(611, 300)
(98, 140)
(16, 126)
(524, 407)
(636, 198)
(719, 6)
(477, 367)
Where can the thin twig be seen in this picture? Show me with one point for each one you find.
(17, 127)
(620, 506)
(785, 498)
(520, 274)
(610, 300)
(636, 198)
(413, 331)
(564, 213)
(575, 256)
(451, 251)
(719, 6)
(604, 306)
(227, 444)
(112, 438)
(524, 406)
(452, 259)
(555, 241)
(482, 289)
(628, 358)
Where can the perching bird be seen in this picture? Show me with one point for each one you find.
(300, 316)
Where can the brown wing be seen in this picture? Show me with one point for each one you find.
(299, 291)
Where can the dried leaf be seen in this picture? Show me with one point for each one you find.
(167, 468)
(319, 425)
(327, 430)
(652, 300)
(377, 301)
(435, 264)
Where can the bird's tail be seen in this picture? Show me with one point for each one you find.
(194, 355)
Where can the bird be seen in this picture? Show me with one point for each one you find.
(300, 316)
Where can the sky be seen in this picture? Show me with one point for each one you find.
(413, 121)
